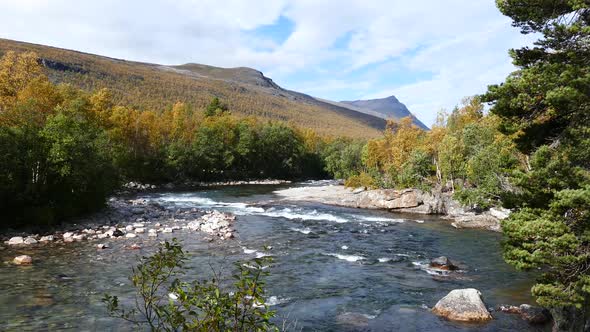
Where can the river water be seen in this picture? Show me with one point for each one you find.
(335, 269)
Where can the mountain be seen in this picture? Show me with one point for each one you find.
(246, 91)
(386, 108)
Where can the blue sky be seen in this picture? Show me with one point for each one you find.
(429, 53)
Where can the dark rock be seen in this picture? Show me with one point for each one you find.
(118, 233)
(443, 263)
(534, 315)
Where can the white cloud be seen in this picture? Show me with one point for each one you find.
(429, 53)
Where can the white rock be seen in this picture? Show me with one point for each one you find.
(47, 238)
(129, 228)
(79, 237)
(463, 305)
(68, 235)
(130, 235)
(500, 213)
(30, 240)
(167, 230)
(22, 260)
(139, 230)
(157, 224)
(152, 233)
(16, 240)
(138, 225)
(102, 236)
(102, 246)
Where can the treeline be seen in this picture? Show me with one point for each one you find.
(62, 150)
(464, 153)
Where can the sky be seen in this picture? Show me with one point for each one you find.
(428, 53)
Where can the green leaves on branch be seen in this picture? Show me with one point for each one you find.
(164, 302)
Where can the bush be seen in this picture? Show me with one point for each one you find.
(165, 303)
(362, 180)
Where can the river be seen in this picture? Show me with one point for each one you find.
(335, 269)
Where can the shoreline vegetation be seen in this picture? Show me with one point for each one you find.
(63, 151)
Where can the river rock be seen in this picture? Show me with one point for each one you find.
(167, 230)
(138, 224)
(30, 240)
(534, 315)
(443, 263)
(79, 237)
(22, 260)
(135, 246)
(117, 233)
(153, 233)
(47, 238)
(102, 246)
(68, 235)
(130, 235)
(157, 224)
(463, 305)
(140, 230)
(16, 240)
(500, 213)
(129, 228)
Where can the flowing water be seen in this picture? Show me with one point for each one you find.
(335, 269)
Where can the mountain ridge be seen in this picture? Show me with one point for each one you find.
(247, 91)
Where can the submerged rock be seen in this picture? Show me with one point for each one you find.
(102, 246)
(463, 305)
(531, 314)
(443, 263)
(22, 260)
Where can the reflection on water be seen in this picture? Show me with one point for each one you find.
(336, 269)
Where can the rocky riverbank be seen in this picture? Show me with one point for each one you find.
(132, 219)
(141, 187)
(407, 201)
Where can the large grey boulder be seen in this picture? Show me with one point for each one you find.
(463, 305)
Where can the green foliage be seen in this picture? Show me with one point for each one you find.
(416, 171)
(166, 303)
(343, 158)
(363, 180)
(545, 107)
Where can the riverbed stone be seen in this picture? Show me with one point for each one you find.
(167, 230)
(130, 235)
(102, 246)
(463, 305)
(129, 228)
(30, 240)
(138, 224)
(16, 240)
(140, 230)
(68, 235)
(153, 233)
(47, 238)
(443, 263)
(79, 237)
(23, 260)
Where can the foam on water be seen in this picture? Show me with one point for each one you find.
(348, 258)
(302, 214)
(379, 219)
(305, 230)
(384, 259)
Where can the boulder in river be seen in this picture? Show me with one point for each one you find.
(117, 233)
(102, 246)
(533, 315)
(130, 235)
(16, 240)
(443, 263)
(22, 260)
(463, 305)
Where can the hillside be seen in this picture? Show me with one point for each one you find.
(386, 108)
(245, 90)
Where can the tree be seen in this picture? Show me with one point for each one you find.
(545, 107)
(215, 108)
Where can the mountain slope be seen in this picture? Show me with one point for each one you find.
(245, 90)
(386, 108)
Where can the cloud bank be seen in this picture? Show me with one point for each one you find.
(428, 53)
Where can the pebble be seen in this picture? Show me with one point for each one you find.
(135, 246)
(130, 235)
(129, 228)
(102, 246)
(158, 224)
(138, 225)
(79, 237)
(140, 230)
(23, 260)
(167, 230)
